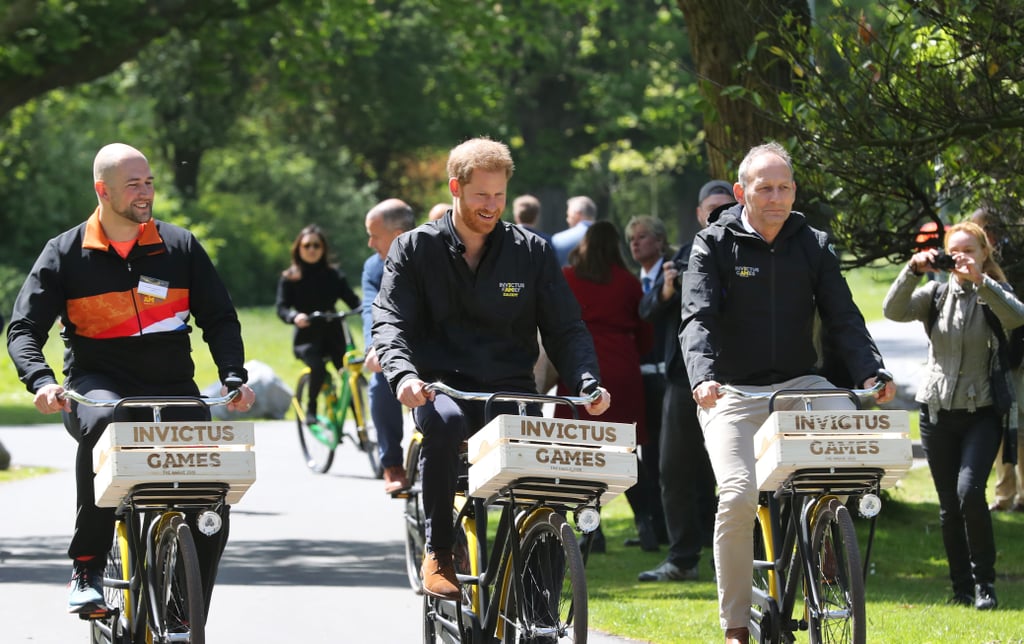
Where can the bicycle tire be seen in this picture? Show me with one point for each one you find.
(763, 619)
(113, 628)
(366, 430)
(178, 585)
(415, 519)
(319, 456)
(554, 606)
(840, 615)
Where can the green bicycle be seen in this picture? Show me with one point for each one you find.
(341, 400)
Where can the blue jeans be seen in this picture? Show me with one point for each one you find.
(386, 412)
(960, 449)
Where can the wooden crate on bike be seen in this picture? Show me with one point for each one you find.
(512, 446)
(795, 440)
(131, 453)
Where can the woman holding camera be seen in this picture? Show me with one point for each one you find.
(966, 394)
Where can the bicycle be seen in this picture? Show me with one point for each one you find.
(339, 400)
(152, 582)
(804, 536)
(529, 585)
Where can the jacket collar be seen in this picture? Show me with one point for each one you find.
(96, 239)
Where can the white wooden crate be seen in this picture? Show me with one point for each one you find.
(507, 461)
(830, 422)
(507, 428)
(837, 439)
(130, 453)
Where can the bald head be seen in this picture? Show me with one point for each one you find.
(111, 157)
(385, 222)
(438, 211)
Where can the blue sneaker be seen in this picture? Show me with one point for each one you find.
(86, 587)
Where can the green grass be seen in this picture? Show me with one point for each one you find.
(869, 286)
(18, 472)
(906, 593)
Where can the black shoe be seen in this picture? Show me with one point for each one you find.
(646, 538)
(960, 599)
(985, 597)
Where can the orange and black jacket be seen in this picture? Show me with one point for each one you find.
(127, 318)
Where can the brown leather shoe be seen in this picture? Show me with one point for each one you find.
(438, 571)
(737, 635)
(395, 479)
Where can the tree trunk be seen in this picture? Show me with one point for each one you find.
(721, 33)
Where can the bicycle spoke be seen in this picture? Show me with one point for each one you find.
(838, 616)
(317, 442)
(553, 608)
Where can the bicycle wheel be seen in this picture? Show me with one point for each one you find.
(366, 430)
(318, 453)
(415, 518)
(177, 585)
(839, 615)
(764, 599)
(553, 607)
(116, 576)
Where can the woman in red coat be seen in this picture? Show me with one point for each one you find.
(609, 297)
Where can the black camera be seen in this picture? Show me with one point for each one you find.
(943, 262)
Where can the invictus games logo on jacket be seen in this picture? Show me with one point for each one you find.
(511, 289)
(747, 271)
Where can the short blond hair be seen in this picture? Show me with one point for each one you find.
(480, 153)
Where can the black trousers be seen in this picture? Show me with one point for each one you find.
(645, 496)
(315, 356)
(445, 423)
(687, 480)
(94, 526)
(960, 449)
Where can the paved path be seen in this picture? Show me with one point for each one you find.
(312, 559)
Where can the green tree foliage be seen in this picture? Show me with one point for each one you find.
(49, 44)
(274, 114)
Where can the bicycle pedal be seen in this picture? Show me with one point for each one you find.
(90, 613)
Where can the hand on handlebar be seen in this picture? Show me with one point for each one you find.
(413, 393)
(49, 399)
(243, 401)
(600, 405)
(706, 394)
(887, 393)
(301, 320)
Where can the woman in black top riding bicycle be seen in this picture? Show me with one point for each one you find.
(311, 284)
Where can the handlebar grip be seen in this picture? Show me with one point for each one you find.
(884, 375)
(233, 383)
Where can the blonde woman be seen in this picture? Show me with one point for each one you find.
(965, 395)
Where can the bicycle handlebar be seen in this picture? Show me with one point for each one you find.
(328, 316)
(161, 401)
(440, 387)
(884, 377)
